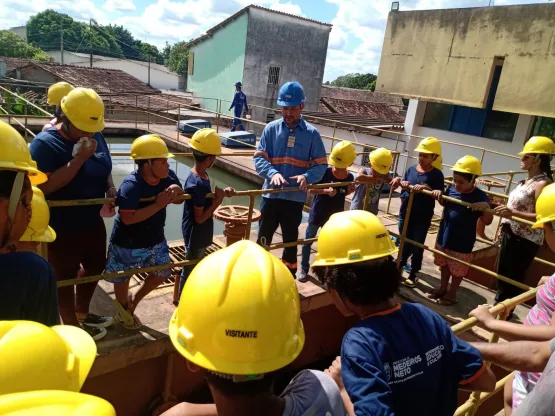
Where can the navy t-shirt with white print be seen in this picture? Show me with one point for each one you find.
(146, 233)
(52, 151)
(324, 206)
(406, 361)
(422, 205)
(197, 235)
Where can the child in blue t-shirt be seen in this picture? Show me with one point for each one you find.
(457, 232)
(397, 353)
(197, 224)
(137, 238)
(330, 200)
(421, 176)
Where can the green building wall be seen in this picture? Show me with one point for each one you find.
(218, 63)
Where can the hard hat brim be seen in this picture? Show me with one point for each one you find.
(339, 165)
(237, 368)
(48, 236)
(164, 156)
(82, 346)
(417, 150)
(379, 170)
(93, 127)
(289, 103)
(540, 223)
(54, 402)
(345, 260)
(36, 177)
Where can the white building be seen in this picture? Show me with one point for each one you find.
(475, 76)
(160, 76)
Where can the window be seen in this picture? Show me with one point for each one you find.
(270, 117)
(191, 63)
(483, 122)
(273, 75)
(544, 126)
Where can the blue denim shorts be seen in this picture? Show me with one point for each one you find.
(123, 259)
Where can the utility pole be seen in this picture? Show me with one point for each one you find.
(149, 70)
(62, 39)
(90, 43)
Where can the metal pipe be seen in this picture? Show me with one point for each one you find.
(405, 228)
(466, 406)
(136, 110)
(397, 157)
(178, 117)
(249, 220)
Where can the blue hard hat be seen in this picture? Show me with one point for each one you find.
(291, 94)
(238, 84)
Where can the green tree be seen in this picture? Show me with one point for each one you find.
(178, 59)
(12, 46)
(166, 52)
(44, 30)
(357, 81)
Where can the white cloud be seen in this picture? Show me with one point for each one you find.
(286, 8)
(119, 5)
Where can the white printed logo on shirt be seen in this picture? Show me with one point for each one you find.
(407, 368)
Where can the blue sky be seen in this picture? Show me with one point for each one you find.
(355, 41)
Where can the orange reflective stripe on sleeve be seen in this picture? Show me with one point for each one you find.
(261, 153)
(320, 161)
(289, 161)
(475, 377)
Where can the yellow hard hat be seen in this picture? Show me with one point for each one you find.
(15, 154)
(36, 357)
(38, 229)
(85, 109)
(54, 403)
(239, 313)
(468, 164)
(429, 145)
(361, 236)
(149, 146)
(343, 155)
(538, 145)
(58, 91)
(381, 160)
(438, 163)
(206, 141)
(545, 206)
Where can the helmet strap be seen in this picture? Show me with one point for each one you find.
(15, 196)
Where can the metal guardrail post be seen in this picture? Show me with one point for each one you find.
(366, 197)
(25, 121)
(509, 183)
(136, 110)
(334, 128)
(249, 220)
(148, 115)
(405, 228)
(218, 111)
(178, 119)
(396, 165)
(483, 155)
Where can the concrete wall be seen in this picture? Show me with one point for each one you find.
(32, 73)
(451, 152)
(448, 55)
(218, 64)
(160, 76)
(298, 47)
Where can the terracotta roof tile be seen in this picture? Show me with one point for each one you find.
(157, 102)
(14, 63)
(375, 111)
(329, 91)
(103, 81)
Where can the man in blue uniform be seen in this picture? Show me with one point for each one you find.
(239, 101)
(290, 154)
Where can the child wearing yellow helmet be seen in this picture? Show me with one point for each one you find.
(238, 322)
(421, 176)
(326, 202)
(375, 176)
(397, 353)
(457, 231)
(539, 324)
(198, 225)
(137, 238)
(27, 284)
(55, 94)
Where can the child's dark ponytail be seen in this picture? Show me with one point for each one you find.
(545, 165)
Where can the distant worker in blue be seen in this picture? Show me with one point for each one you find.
(239, 101)
(291, 153)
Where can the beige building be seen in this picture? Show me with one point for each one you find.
(477, 76)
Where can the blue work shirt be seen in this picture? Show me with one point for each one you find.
(52, 151)
(457, 230)
(290, 151)
(324, 206)
(239, 100)
(197, 235)
(28, 289)
(146, 233)
(422, 205)
(406, 361)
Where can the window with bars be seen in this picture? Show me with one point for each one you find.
(273, 75)
(270, 117)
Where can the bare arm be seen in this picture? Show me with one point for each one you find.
(518, 332)
(202, 215)
(61, 177)
(192, 409)
(133, 217)
(531, 216)
(519, 355)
